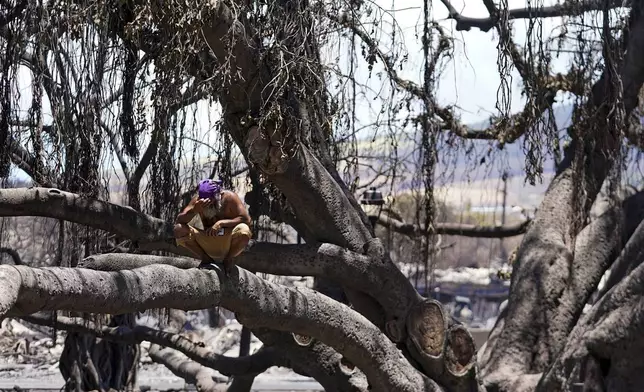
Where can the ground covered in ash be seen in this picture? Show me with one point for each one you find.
(29, 356)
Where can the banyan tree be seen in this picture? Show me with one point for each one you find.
(106, 106)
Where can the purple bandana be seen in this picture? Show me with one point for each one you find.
(209, 188)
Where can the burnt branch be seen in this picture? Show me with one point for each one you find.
(567, 8)
(460, 229)
(346, 21)
(505, 130)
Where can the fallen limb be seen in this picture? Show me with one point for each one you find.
(196, 351)
(190, 371)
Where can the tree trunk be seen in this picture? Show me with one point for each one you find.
(89, 364)
(560, 262)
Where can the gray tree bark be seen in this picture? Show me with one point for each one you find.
(557, 267)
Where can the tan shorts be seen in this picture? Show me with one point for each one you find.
(217, 247)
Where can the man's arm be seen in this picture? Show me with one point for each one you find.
(188, 213)
(234, 211)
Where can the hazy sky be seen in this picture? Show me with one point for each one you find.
(471, 80)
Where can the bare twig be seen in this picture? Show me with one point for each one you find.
(567, 8)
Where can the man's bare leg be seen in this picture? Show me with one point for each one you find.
(237, 245)
(181, 234)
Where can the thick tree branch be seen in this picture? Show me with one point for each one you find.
(355, 337)
(595, 249)
(256, 302)
(383, 281)
(54, 203)
(129, 261)
(14, 255)
(460, 229)
(29, 290)
(628, 260)
(26, 162)
(566, 8)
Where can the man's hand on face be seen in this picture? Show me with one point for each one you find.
(214, 229)
(200, 204)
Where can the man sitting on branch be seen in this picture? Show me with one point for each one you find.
(225, 221)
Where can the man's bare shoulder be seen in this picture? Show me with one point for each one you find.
(229, 195)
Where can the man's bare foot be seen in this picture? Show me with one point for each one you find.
(205, 261)
(208, 263)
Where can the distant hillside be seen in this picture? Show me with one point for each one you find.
(472, 175)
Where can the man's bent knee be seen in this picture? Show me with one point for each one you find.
(242, 230)
(181, 230)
